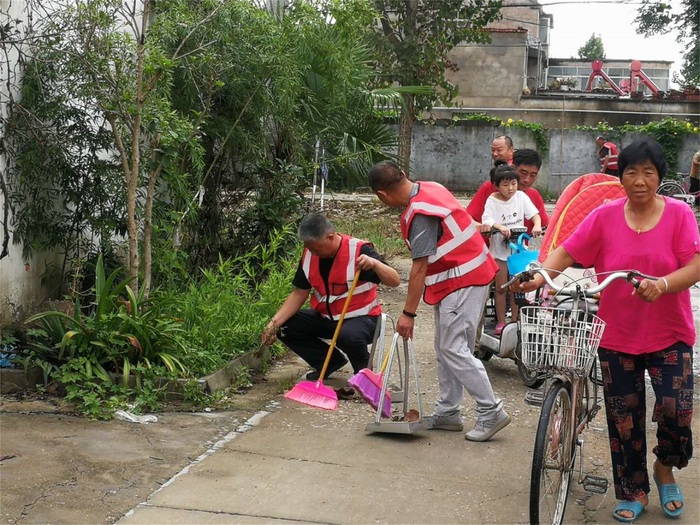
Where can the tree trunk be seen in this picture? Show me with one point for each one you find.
(406, 132)
(148, 228)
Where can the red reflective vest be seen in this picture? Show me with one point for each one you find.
(612, 156)
(329, 302)
(462, 258)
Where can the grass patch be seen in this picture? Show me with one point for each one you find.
(371, 222)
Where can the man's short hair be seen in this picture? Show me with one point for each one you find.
(601, 137)
(314, 227)
(527, 157)
(384, 175)
(507, 139)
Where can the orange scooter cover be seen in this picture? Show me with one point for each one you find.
(580, 197)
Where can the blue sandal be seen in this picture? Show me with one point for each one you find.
(635, 507)
(667, 494)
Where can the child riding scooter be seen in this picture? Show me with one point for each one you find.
(505, 212)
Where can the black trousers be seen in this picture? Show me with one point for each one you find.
(305, 331)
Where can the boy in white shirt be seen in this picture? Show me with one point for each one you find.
(505, 209)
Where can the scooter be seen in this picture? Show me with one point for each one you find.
(507, 345)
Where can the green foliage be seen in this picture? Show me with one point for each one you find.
(538, 130)
(668, 132)
(593, 49)
(119, 332)
(658, 17)
(381, 229)
(415, 39)
(224, 311)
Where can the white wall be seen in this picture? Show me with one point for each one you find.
(21, 288)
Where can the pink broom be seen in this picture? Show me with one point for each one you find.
(314, 393)
(369, 385)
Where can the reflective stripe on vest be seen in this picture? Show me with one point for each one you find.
(364, 299)
(612, 155)
(462, 258)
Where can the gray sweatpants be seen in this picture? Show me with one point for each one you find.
(457, 319)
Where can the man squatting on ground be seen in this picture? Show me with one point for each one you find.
(328, 266)
(452, 268)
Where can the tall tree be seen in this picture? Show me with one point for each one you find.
(105, 65)
(415, 38)
(658, 17)
(592, 49)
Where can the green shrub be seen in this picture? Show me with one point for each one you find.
(225, 310)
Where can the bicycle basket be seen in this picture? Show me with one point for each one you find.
(558, 339)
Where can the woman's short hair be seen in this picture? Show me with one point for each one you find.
(504, 172)
(643, 150)
(314, 227)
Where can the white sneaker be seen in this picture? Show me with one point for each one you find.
(452, 422)
(485, 429)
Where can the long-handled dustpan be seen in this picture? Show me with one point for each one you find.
(314, 393)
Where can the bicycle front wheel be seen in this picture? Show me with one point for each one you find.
(552, 459)
(670, 188)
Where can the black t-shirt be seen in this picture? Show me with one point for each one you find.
(324, 266)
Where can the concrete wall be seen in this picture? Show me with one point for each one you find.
(459, 155)
(559, 110)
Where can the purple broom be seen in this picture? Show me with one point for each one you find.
(369, 385)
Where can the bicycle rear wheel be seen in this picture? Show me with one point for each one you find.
(552, 458)
(670, 188)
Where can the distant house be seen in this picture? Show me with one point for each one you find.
(658, 71)
(496, 74)
(511, 77)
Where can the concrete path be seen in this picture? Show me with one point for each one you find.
(294, 463)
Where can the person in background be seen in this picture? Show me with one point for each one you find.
(328, 266)
(451, 269)
(527, 163)
(695, 177)
(648, 328)
(501, 151)
(505, 209)
(607, 151)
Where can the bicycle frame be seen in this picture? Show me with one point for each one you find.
(562, 345)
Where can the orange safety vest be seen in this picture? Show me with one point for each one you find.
(462, 258)
(612, 156)
(329, 303)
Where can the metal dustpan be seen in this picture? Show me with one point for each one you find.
(397, 425)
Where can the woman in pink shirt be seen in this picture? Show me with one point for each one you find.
(650, 328)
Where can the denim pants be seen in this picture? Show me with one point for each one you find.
(671, 374)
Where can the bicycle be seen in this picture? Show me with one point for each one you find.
(678, 189)
(560, 342)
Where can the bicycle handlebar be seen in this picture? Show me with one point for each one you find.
(574, 291)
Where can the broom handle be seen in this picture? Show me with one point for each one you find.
(337, 328)
(385, 362)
